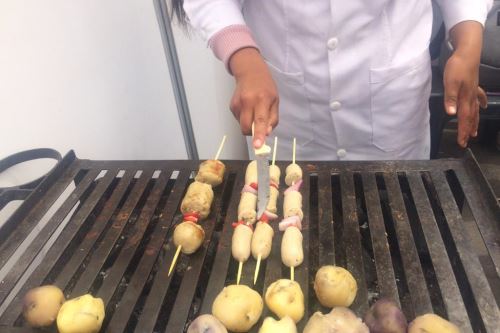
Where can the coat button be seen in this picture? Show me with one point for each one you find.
(332, 43)
(341, 153)
(335, 106)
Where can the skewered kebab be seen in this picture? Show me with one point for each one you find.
(292, 253)
(263, 235)
(188, 235)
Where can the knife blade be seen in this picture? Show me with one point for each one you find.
(262, 157)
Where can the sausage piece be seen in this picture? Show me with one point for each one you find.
(292, 253)
(246, 208)
(292, 205)
(241, 242)
(211, 172)
(251, 173)
(262, 240)
(198, 199)
(273, 200)
(274, 173)
(189, 236)
(293, 174)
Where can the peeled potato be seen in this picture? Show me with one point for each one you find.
(83, 314)
(431, 323)
(238, 307)
(386, 317)
(285, 325)
(206, 324)
(189, 236)
(285, 298)
(41, 305)
(335, 286)
(338, 320)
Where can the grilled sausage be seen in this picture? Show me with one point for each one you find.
(274, 173)
(246, 207)
(198, 199)
(189, 236)
(211, 172)
(293, 174)
(292, 205)
(251, 173)
(292, 253)
(273, 200)
(262, 240)
(241, 242)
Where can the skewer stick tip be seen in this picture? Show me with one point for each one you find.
(257, 267)
(292, 273)
(176, 256)
(238, 277)
(293, 151)
(274, 149)
(220, 147)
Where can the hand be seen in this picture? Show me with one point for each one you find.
(463, 96)
(255, 99)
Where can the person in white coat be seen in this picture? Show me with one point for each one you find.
(349, 79)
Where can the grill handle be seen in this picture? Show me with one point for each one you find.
(21, 192)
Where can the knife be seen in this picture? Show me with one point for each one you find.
(262, 157)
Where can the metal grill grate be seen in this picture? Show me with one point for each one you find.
(423, 233)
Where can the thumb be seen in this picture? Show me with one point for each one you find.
(451, 90)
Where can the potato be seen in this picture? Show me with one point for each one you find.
(386, 317)
(206, 324)
(285, 298)
(318, 323)
(431, 323)
(238, 307)
(211, 172)
(339, 320)
(41, 305)
(83, 314)
(345, 321)
(285, 325)
(335, 286)
(189, 236)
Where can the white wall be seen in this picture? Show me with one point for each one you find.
(209, 88)
(88, 75)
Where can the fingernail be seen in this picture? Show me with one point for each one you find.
(475, 133)
(257, 143)
(452, 110)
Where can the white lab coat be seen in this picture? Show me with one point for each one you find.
(353, 76)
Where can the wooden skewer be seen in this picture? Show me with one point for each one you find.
(238, 277)
(292, 273)
(220, 147)
(172, 265)
(274, 150)
(293, 152)
(257, 267)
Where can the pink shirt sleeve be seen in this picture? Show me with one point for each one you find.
(230, 39)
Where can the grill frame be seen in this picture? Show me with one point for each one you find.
(104, 220)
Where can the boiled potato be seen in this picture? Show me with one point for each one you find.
(41, 305)
(206, 324)
(339, 320)
(335, 286)
(285, 298)
(345, 321)
(285, 325)
(238, 307)
(318, 323)
(386, 317)
(431, 323)
(83, 314)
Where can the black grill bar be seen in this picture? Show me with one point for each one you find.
(447, 283)
(352, 241)
(385, 273)
(402, 228)
(476, 280)
(63, 242)
(411, 263)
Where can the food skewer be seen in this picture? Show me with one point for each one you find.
(188, 235)
(263, 234)
(292, 253)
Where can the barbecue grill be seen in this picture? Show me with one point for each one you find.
(424, 233)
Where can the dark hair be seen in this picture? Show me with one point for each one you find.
(178, 12)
